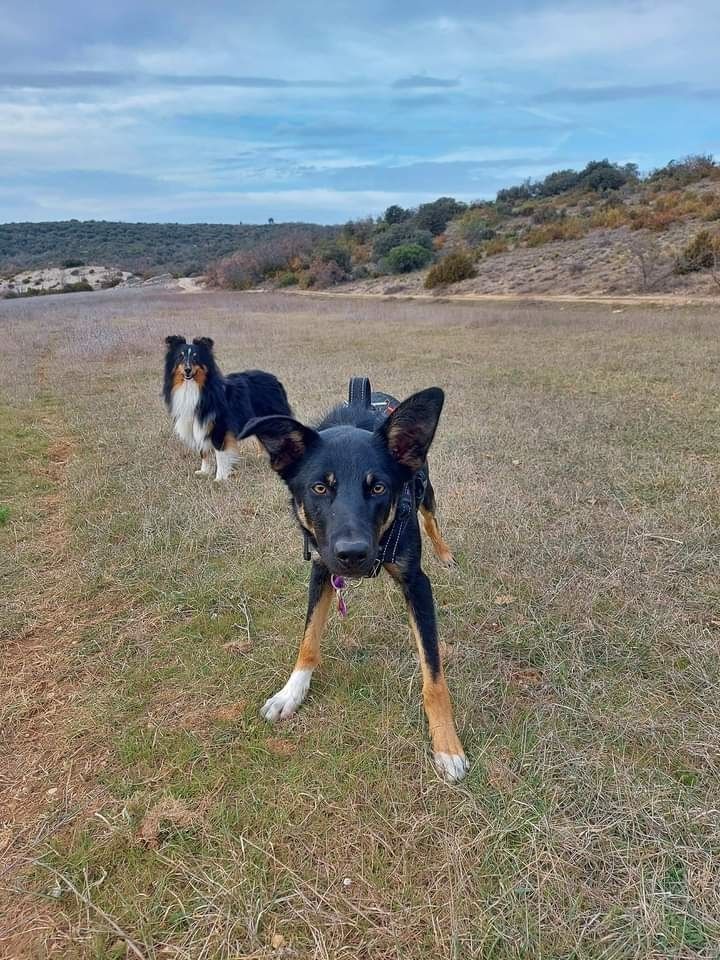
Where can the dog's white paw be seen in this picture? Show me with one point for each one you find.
(451, 766)
(202, 473)
(286, 701)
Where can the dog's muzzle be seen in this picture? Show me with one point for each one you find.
(353, 557)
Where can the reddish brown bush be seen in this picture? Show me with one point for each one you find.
(247, 268)
(323, 273)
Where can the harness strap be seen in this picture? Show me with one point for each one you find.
(411, 497)
(359, 392)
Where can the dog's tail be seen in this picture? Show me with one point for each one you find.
(359, 392)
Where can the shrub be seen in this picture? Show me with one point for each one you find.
(246, 268)
(397, 234)
(561, 181)
(407, 257)
(361, 271)
(82, 286)
(451, 269)
(396, 214)
(330, 250)
(570, 228)
(358, 231)
(650, 218)
(701, 253)
(547, 214)
(68, 264)
(495, 246)
(688, 170)
(435, 216)
(323, 273)
(610, 217)
(513, 195)
(601, 175)
(473, 227)
(111, 282)
(598, 175)
(287, 278)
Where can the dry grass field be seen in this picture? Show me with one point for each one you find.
(145, 614)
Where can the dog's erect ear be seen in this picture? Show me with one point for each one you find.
(174, 341)
(285, 439)
(204, 342)
(410, 428)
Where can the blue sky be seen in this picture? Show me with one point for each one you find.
(237, 111)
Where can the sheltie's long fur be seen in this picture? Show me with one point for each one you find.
(209, 410)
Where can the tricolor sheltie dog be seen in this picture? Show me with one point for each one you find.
(209, 410)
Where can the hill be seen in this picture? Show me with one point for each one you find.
(601, 230)
(145, 248)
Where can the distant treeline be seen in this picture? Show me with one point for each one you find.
(145, 248)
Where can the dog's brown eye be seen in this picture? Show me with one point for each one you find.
(319, 488)
(378, 489)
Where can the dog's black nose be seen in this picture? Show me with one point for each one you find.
(352, 553)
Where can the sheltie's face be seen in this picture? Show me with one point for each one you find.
(189, 361)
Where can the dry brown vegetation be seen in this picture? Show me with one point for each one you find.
(148, 812)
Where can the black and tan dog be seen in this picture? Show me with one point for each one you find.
(209, 410)
(354, 486)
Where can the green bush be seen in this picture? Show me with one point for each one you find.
(451, 269)
(561, 181)
(400, 233)
(407, 257)
(287, 279)
(68, 264)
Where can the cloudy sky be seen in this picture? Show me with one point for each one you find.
(239, 111)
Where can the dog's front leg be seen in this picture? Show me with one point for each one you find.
(286, 701)
(205, 465)
(448, 752)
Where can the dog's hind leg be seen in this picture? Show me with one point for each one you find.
(286, 701)
(226, 458)
(448, 752)
(431, 528)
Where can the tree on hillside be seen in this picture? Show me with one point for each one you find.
(434, 216)
(396, 214)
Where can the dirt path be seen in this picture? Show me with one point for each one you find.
(656, 300)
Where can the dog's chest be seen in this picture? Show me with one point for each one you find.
(185, 401)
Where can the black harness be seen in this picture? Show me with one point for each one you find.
(413, 492)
